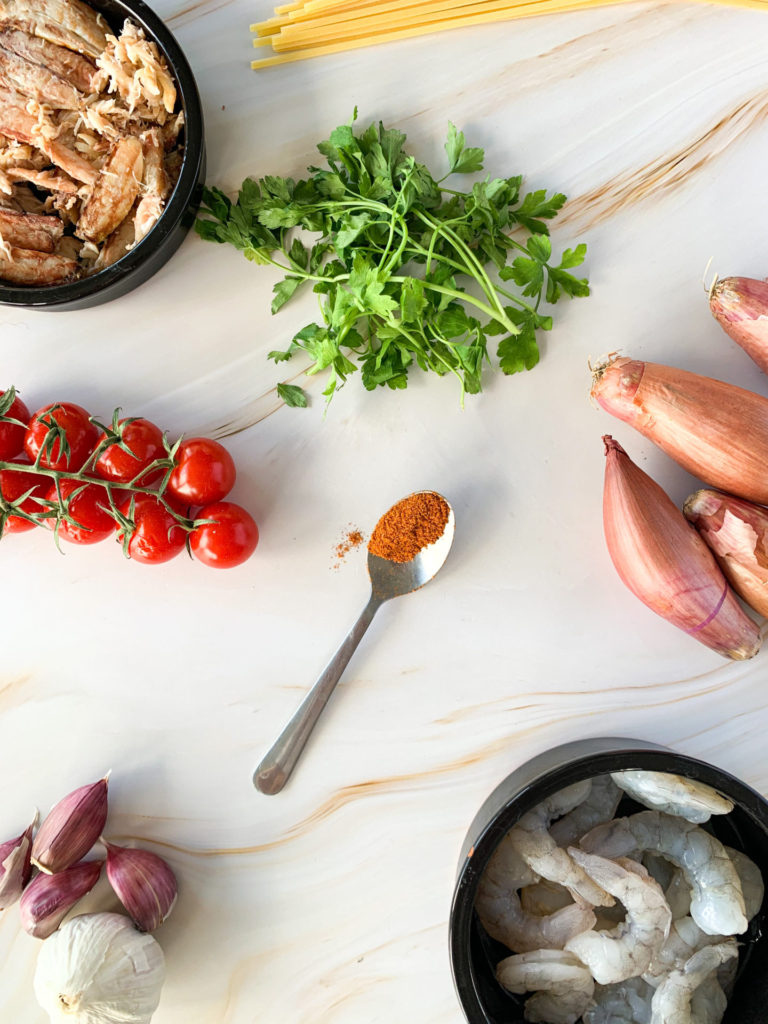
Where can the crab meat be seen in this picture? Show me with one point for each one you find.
(115, 191)
(16, 122)
(75, 68)
(67, 23)
(28, 231)
(155, 185)
(25, 266)
(39, 83)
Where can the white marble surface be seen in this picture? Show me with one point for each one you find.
(329, 903)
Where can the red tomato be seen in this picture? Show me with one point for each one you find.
(12, 435)
(12, 485)
(94, 523)
(80, 435)
(228, 541)
(204, 472)
(145, 441)
(158, 536)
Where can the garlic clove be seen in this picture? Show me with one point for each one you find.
(15, 866)
(144, 884)
(48, 898)
(664, 562)
(737, 532)
(71, 828)
(98, 969)
(740, 306)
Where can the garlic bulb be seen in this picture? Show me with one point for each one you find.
(97, 969)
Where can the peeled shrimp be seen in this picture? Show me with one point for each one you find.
(751, 881)
(717, 902)
(563, 986)
(628, 949)
(539, 850)
(708, 1002)
(685, 938)
(599, 806)
(672, 999)
(498, 906)
(628, 1002)
(673, 794)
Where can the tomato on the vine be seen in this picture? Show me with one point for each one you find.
(89, 507)
(11, 434)
(145, 441)
(229, 540)
(158, 536)
(13, 484)
(204, 473)
(80, 434)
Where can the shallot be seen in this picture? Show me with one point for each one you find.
(717, 431)
(737, 533)
(740, 306)
(665, 563)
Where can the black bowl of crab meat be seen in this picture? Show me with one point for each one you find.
(102, 152)
(609, 881)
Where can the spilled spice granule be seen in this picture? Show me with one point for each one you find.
(352, 539)
(409, 526)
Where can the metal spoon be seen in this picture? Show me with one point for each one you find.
(388, 579)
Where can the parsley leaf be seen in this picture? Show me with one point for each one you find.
(410, 275)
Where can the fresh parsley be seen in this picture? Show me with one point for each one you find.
(410, 273)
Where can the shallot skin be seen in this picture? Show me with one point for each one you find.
(740, 306)
(737, 532)
(661, 558)
(717, 431)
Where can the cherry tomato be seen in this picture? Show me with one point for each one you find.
(80, 434)
(12, 485)
(94, 523)
(145, 441)
(204, 472)
(227, 542)
(158, 536)
(12, 435)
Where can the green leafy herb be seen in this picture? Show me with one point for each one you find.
(411, 274)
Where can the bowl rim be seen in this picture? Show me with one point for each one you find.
(538, 778)
(48, 296)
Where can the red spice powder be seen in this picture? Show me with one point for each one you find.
(409, 526)
(352, 539)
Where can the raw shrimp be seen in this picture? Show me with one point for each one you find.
(562, 984)
(628, 949)
(628, 1002)
(673, 794)
(717, 902)
(751, 881)
(544, 897)
(599, 806)
(672, 999)
(498, 906)
(708, 1001)
(539, 850)
(678, 895)
(685, 938)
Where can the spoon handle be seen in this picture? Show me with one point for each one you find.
(277, 765)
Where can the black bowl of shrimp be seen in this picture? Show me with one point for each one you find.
(613, 881)
(102, 152)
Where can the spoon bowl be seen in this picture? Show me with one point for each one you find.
(388, 579)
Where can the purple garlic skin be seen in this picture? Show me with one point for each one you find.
(48, 898)
(144, 884)
(15, 866)
(71, 828)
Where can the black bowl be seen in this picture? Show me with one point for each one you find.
(167, 235)
(474, 955)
